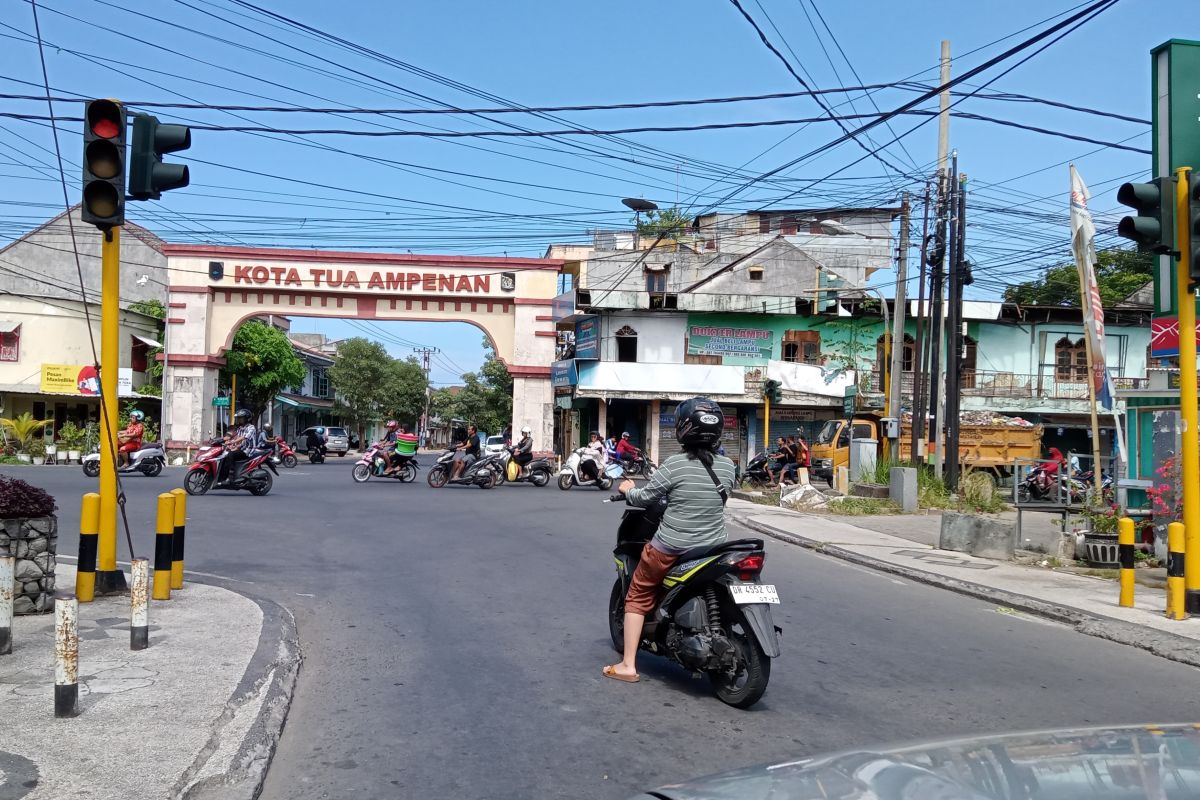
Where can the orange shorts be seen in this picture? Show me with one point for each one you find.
(129, 447)
(643, 587)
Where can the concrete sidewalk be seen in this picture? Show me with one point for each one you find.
(1089, 604)
(196, 715)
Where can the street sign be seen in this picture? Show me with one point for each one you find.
(848, 400)
(221, 402)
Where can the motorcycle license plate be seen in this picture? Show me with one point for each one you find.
(747, 593)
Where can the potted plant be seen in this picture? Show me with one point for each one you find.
(22, 429)
(71, 437)
(37, 451)
(29, 531)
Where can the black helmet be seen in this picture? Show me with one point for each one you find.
(243, 413)
(699, 421)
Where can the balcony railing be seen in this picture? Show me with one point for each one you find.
(1048, 385)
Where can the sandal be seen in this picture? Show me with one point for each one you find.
(611, 672)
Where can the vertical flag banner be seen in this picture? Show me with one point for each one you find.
(1083, 243)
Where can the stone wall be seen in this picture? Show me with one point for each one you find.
(34, 543)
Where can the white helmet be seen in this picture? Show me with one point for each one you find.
(526, 429)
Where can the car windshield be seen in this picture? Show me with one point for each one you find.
(337, 431)
(828, 431)
(495, 440)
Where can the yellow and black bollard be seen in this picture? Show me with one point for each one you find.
(1175, 584)
(89, 542)
(1125, 556)
(177, 538)
(164, 531)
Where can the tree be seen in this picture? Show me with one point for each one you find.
(264, 362)
(1119, 273)
(370, 385)
(670, 223)
(485, 398)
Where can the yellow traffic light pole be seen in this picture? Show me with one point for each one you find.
(1190, 446)
(109, 579)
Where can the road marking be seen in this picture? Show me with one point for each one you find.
(304, 594)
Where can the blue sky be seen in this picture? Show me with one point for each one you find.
(504, 195)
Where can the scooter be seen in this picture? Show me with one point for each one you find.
(483, 472)
(316, 455)
(149, 461)
(583, 468)
(285, 455)
(756, 474)
(374, 465)
(536, 471)
(254, 475)
(713, 615)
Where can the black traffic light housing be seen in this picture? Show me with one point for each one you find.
(1151, 229)
(103, 164)
(148, 176)
(1193, 227)
(772, 390)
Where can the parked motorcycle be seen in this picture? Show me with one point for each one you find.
(537, 471)
(713, 615)
(254, 474)
(584, 468)
(149, 461)
(483, 472)
(756, 475)
(374, 465)
(285, 455)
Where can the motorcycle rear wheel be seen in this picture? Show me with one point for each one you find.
(91, 468)
(408, 474)
(151, 468)
(262, 484)
(744, 688)
(539, 477)
(289, 461)
(566, 481)
(616, 616)
(604, 483)
(361, 473)
(487, 480)
(437, 477)
(197, 482)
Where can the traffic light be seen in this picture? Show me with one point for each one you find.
(1151, 228)
(772, 390)
(1193, 226)
(148, 176)
(103, 164)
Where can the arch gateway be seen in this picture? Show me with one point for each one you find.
(214, 289)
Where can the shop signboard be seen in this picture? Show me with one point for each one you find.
(848, 400)
(587, 338)
(221, 402)
(563, 373)
(706, 340)
(81, 379)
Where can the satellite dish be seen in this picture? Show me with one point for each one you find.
(639, 205)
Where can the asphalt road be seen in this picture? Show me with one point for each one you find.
(453, 641)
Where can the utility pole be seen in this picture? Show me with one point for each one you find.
(426, 354)
(936, 291)
(944, 108)
(917, 450)
(894, 406)
(109, 578)
(954, 338)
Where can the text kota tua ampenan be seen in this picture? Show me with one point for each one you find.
(318, 277)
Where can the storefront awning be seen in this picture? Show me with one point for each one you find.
(146, 340)
(8, 326)
(300, 401)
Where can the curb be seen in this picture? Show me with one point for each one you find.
(270, 681)
(1160, 643)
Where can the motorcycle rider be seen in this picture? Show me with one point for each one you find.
(130, 438)
(468, 451)
(1048, 472)
(694, 516)
(387, 446)
(266, 438)
(244, 438)
(314, 442)
(522, 451)
(625, 449)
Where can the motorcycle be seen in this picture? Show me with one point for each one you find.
(149, 461)
(373, 465)
(583, 468)
(285, 455)
(536, 471)
(1038, 487)
(482, 472)
(638, 464)
(316, 455)
(756, 475)
(253, 474)
(713, 615)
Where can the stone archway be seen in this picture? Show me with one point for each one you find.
(213, 289)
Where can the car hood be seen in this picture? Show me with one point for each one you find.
(1123, 763)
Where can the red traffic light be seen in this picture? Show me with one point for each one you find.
(104, 119)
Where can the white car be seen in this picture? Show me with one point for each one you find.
(494, 444)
